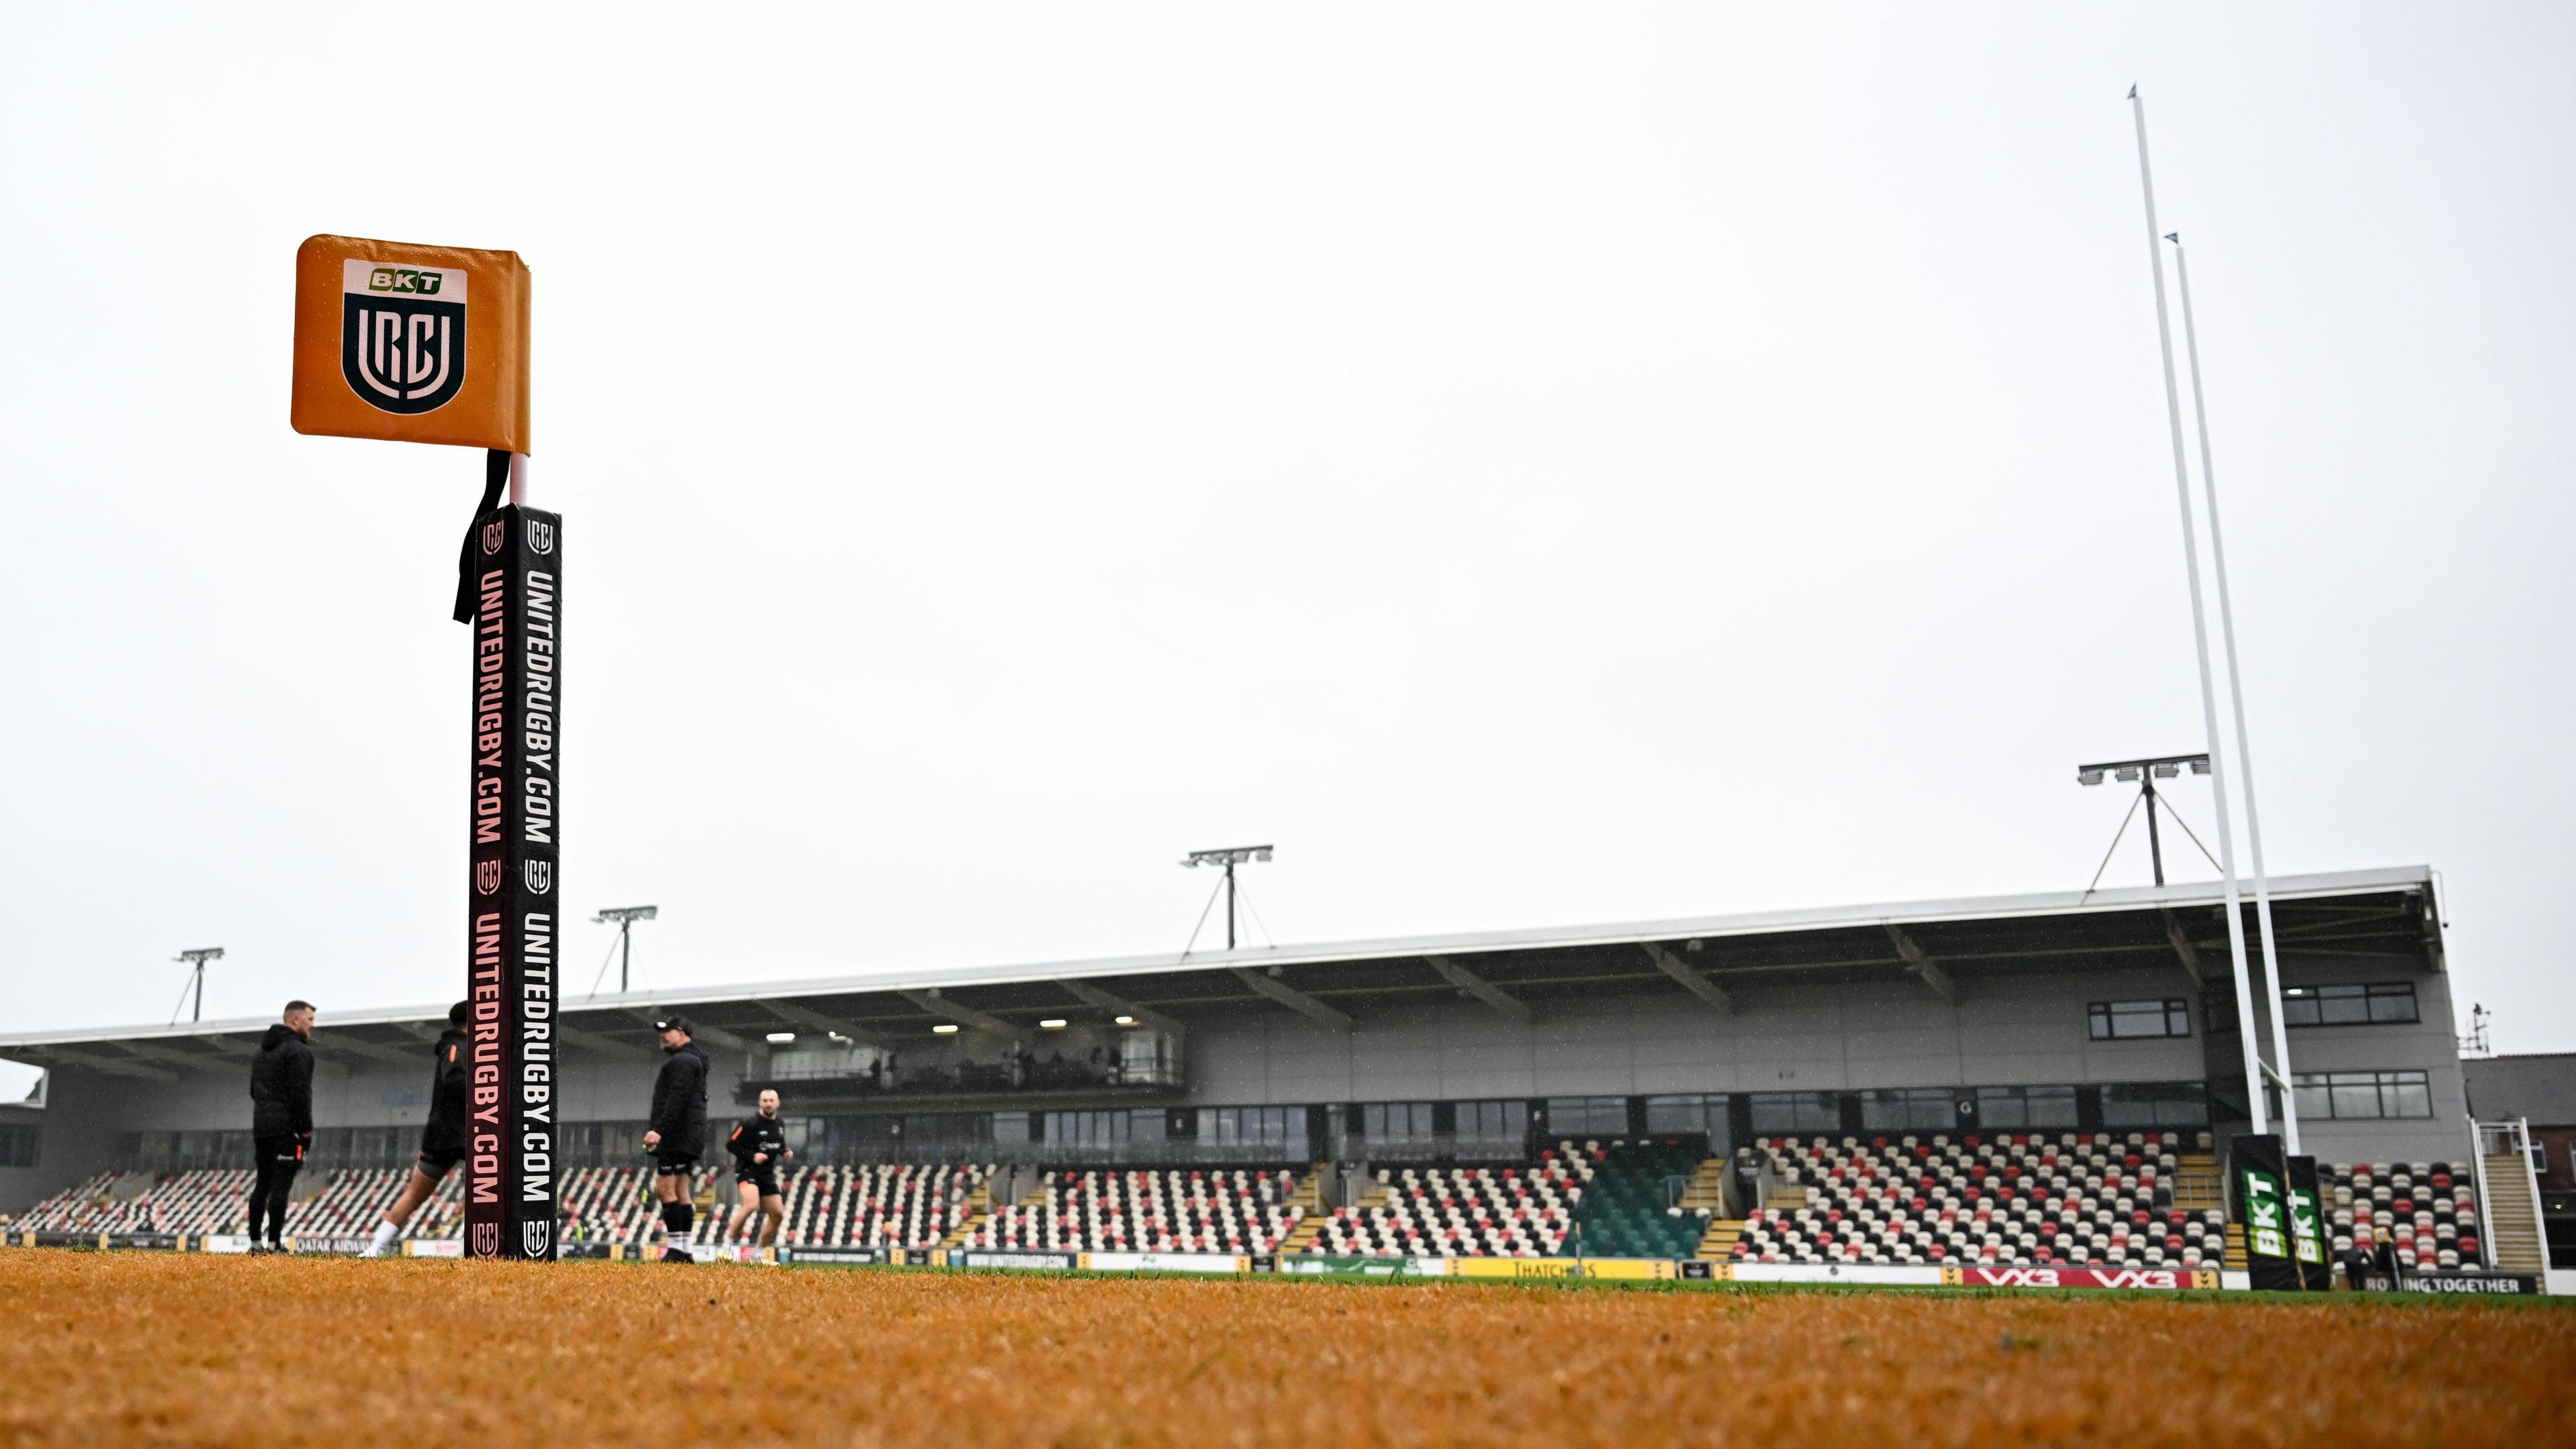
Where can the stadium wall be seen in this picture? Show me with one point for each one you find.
(2006, 1028)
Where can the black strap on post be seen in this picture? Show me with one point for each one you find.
(496, 476)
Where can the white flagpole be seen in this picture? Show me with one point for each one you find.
(518, 480)
(2236, 696)
(2200, 641)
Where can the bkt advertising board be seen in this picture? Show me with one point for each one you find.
(513, 916)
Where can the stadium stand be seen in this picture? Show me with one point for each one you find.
(2430, 1212)
(1182, 1210)
(2006, 1199)
(888, 1206)
(1512, 1211)
(609, 1205)
(1634, 1208)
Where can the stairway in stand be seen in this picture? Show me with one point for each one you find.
(1718, 1243)
(2512, 1217)
(979, 1206)
(2197, 1186)
(1308, 1198)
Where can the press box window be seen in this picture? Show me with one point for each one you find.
(1775, 1113)
(2352, 1005)
(2127, 1020)
(2017, 1107)
(2361, 1096)
(1931, 1110)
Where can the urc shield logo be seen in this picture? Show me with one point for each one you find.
(402, 334)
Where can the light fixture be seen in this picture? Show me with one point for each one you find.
(1226, 860)
(1126, 1021)
(835, 1036)
(781, 1038)
(2143, 773)
(945, 1028)
(1052, 1023)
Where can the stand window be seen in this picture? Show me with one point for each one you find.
(2363, 1095)
(2125, 1020)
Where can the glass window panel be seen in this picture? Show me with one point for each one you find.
(2341, 1005)
(2393, 1001)
(2406, 1094)
(2127, 1020)
(2354, 1094)
(1777, 1113)
(2299, 1006)
(2309, 1091)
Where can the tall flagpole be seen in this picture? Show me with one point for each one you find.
(2236, 696)
(2200, 641)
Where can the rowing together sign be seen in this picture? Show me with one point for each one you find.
(412, 344)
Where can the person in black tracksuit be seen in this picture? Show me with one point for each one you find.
(442, 1138)
(677, 1134)
(281, 1120)
(758, 1145)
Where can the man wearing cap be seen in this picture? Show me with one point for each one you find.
(677, 1133)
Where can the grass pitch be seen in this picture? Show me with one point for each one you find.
(194, 1349)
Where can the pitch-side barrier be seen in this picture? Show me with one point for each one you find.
(1315, 1265)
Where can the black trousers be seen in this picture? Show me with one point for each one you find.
(278, 1158)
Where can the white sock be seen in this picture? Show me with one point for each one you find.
(386, 1232)
(679, 1242)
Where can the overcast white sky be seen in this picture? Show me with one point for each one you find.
(1533, 465)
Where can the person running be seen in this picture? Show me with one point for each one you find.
(442, 1138)
(281, 1120)
(677, 1134)
(759, 1145)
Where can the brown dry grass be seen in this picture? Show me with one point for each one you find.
(154, 1348)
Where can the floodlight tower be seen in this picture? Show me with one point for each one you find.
(196, 961)
(2146, 773)
(1229, 858)
(624, 919)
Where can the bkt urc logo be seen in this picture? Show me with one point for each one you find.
(402, 334)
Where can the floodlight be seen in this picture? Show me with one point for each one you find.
(781, 1038)
(1126, 1021)
(1052, 1023)
(624, 919)
(2143, 773)
(945, 1028)
(1227, 858)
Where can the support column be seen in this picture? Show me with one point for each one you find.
(513, 922)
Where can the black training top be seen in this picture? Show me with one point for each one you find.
(450, 1092)
(281, 1085)
(680, 1102)
(756, 1134)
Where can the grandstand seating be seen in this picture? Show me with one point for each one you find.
(900, 1206)
(609, 1205)
(2005, 1199)
(2429, 1210)
(1626, 1213)
(1999, 1199)
(1174, 1210)
(1519, 1210)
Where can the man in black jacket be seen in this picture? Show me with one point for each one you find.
(442, 1138)
(758, 1145)
(281, 1119)
(677, 1134)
